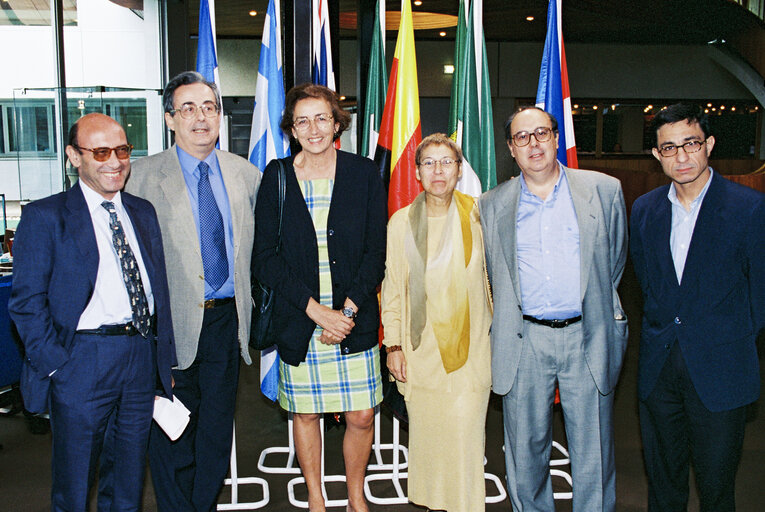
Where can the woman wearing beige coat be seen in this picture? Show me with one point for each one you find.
(436, 314)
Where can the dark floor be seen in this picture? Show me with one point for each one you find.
(25, 458)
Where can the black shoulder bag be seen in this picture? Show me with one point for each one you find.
(261, 337)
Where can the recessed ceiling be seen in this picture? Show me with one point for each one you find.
(595, 21)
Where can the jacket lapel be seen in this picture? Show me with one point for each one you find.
(174, 188)
(507, 221)
(659, 255)
(79, 227)
(708, 227)
(586, 216)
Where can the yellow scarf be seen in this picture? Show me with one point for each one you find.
(438, 289)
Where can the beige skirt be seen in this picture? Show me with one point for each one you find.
(447, 440)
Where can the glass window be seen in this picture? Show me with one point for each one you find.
(32, 129)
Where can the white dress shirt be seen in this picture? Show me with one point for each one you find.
(110, 303)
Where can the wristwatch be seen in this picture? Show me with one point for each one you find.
(349, 312)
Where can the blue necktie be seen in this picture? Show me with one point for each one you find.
(212, 237)
(131, 275)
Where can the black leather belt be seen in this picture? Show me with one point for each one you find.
(112, 330)
(215, 303)
(555, 324)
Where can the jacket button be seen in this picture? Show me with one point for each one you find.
(677, 320)
(334, 262)
(666, 345)
(520, 335)
(330, 232)
(346, 350)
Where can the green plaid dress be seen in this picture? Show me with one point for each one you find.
(328, 381)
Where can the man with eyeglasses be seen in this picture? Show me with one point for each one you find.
(556, 245)
(91, 304)
(697, 247)
(205, 200)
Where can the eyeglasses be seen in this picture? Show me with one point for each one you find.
(542, 134)
(189, 110)
(692, 146)
(321, 120)
(430, 164)
(103, 154)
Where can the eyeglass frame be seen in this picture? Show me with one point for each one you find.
(197, 108)
(678, 146)
(549, 130)
(440, 163)
(108, 155)
(315, 119)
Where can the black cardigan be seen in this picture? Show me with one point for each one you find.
(356, 230)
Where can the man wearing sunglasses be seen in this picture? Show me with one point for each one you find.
(205, 200)
(697, 247)
(91, 303)
(556, 244)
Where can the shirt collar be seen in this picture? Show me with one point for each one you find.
(561, 180)
(94, 199)
(672, 194)
(190, 163)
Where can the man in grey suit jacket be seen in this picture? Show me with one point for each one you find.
(556, 244)
(205, 201)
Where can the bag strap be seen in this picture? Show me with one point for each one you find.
(282, 176)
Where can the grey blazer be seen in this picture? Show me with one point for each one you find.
(600, 211)
(159, 179)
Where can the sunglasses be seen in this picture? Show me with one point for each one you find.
(103, 154)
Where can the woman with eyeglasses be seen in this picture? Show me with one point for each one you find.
(436, 314)
(325, 276)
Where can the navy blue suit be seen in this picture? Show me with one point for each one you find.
(698, 358)
(89, 395)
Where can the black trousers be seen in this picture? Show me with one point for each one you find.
(677, 429)
(188, 473)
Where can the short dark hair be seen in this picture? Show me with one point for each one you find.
(437, 139)
(305, 91)
(683, 111)
(186, 78)
(553, 121)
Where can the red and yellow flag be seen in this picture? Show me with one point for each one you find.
(400, 131)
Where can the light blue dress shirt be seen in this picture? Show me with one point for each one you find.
(683, 224)
(547, 235)
(191, 176)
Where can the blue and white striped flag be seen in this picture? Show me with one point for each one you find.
(323, 70)
(267, 141)
(207, 57)
(553, 93)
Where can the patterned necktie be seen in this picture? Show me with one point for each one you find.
(131, 274)
(212, 237)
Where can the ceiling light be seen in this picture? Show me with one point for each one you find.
(709, 104)
(706, 111)
(342, 98)
(418, 2)
(253, 13)
(733, 109)
(442, 34)
(594, 107)
(529, 18)
(448, 69)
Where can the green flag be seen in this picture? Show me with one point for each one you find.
(377, 86)
(471, 122)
